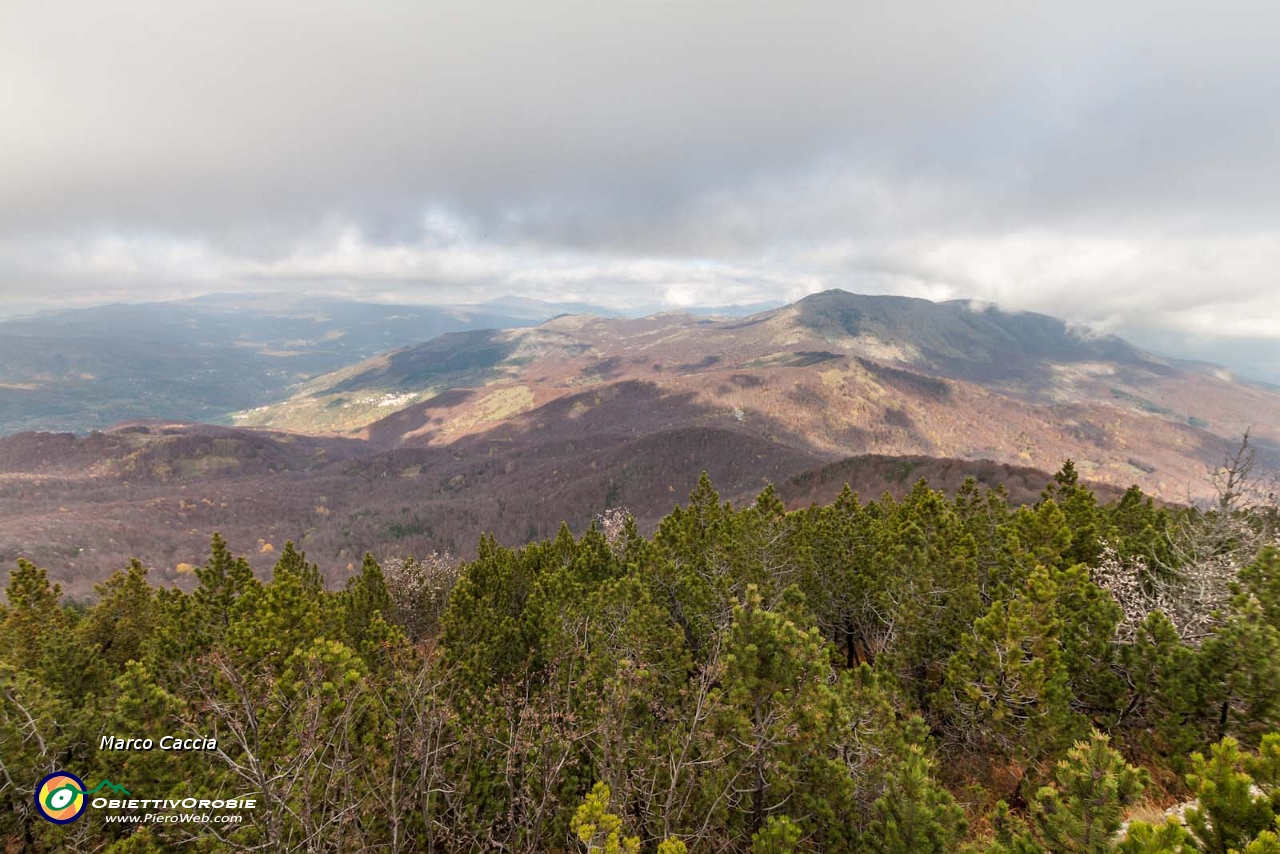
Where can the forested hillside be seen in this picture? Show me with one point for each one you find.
(926, 674)
(835, 374)
(515, 431)
(82, 507)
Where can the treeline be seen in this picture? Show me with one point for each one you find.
(919, 675)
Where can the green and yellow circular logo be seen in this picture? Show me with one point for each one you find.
(60, 797)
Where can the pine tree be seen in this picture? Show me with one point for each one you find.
(366, 598)
(1266, 842)
(1261, 580)
(1006, 687)
(1089, 617)
(692, 570)
(1079, 507)
(915, 815)
(223, 579)
(122, 621)
(779, 835)
(927, 581)
(1229, 813)
(774, 689)
(599, 830)
(1139, 530)
(1169, 837)
(748, 680)
(836, 551)
(1166, 712)
(273, 620)
(985, 515)
(1241, 661)
(1081, 811)
(1237, 806)
(293, 565)
(1043, 537)
(33, 620)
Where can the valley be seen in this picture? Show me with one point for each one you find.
(513, 431)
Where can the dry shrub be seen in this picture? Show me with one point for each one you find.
(419, 589)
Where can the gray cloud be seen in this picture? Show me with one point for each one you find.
(1110, 163)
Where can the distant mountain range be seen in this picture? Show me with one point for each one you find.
(201, 359)
(204, 358)
(836, 374)
(513, 430)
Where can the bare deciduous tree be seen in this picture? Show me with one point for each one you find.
(613, 524)
(419, 590)
(1209, 547)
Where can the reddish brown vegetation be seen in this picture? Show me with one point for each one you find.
(580, 414)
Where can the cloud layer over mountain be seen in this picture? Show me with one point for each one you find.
(1114, 165)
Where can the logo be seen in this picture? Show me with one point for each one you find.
(61, 797)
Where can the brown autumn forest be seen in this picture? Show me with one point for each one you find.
(512, 432)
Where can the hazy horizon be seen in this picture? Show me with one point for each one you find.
(1110, 166)
(1253, 358)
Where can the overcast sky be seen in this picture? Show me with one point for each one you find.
(1116, 164)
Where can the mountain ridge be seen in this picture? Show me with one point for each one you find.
(200, 359)
(512, 431)
(840, 374)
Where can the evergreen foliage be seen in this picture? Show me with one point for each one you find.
(914, 675)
